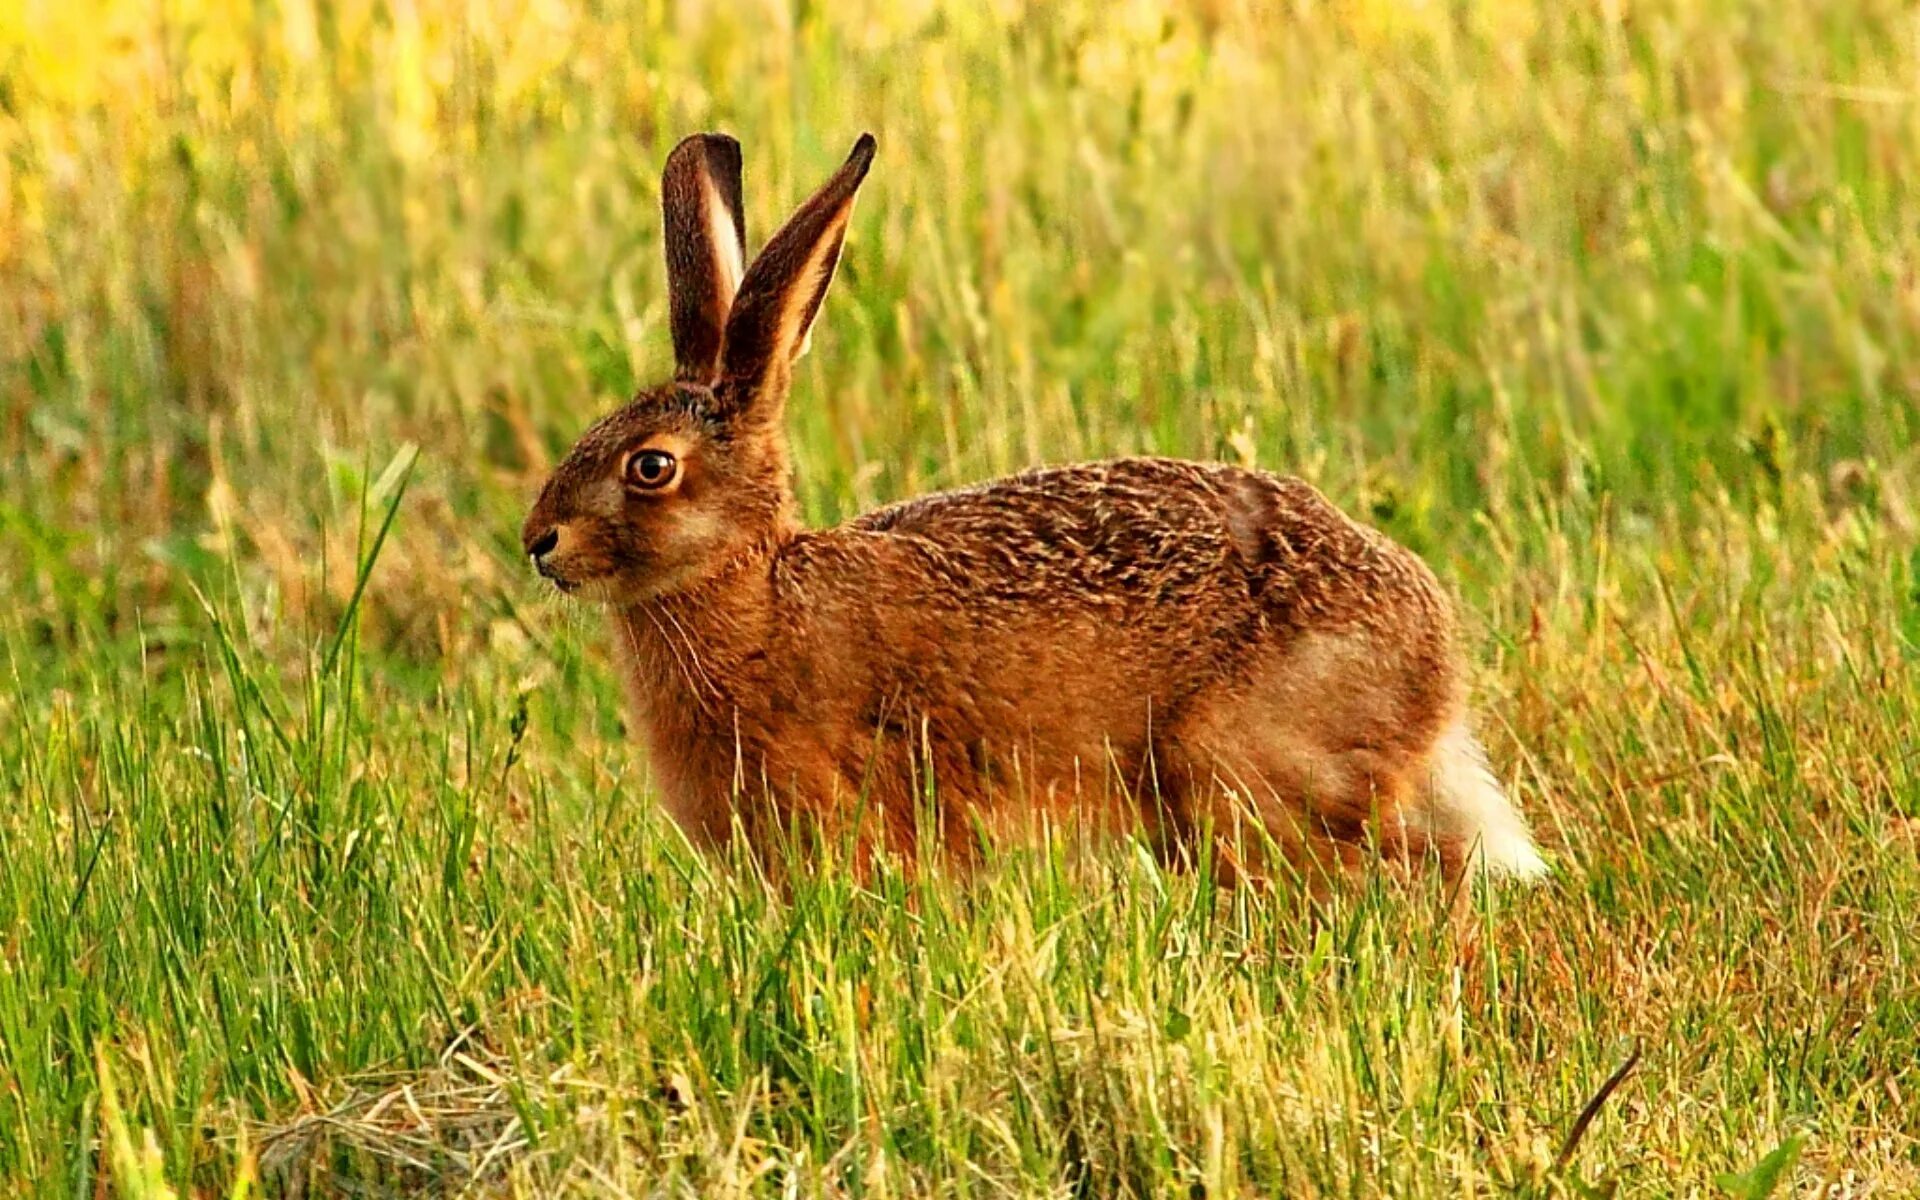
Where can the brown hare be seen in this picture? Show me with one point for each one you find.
(1185, 648)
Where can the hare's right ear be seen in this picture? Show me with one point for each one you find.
(783, 288)
(706, 247)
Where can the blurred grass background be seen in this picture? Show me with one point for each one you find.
(1610, 309)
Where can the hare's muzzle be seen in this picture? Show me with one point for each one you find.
(542, 543)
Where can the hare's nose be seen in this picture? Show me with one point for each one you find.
(541, 546)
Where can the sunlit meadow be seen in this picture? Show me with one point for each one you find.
(327, 866)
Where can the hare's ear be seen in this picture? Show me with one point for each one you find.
(782, 291)
(706, 247)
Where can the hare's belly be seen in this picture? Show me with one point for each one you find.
(1003, 777)
(1016, 737)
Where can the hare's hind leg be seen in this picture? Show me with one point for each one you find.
(1313, 758)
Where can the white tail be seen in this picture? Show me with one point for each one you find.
(1467, 807)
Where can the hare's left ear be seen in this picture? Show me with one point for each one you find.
(706, 248)
(782, 291)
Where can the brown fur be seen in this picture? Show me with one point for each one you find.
(1145, 640)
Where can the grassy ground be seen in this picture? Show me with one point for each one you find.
(333, 870)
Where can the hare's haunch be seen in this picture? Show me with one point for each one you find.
(1193, 649)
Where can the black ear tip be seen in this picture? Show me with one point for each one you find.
(863, 150)
(723, 148)
(715, 147)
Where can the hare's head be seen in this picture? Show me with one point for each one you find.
(689, 475)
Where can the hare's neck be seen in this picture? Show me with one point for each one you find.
(691, 656)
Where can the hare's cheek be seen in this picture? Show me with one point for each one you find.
(689, 533)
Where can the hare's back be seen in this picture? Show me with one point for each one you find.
(1159, 532)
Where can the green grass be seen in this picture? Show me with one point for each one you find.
(334, 869)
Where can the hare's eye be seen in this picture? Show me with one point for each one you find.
(651, 469)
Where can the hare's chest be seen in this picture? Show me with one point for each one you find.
(692, 770)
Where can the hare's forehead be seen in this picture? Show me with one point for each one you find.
(675, 409)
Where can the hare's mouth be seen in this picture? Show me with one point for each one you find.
(593, 588)
(565, 584)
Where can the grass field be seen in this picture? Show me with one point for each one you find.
(326, 867)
